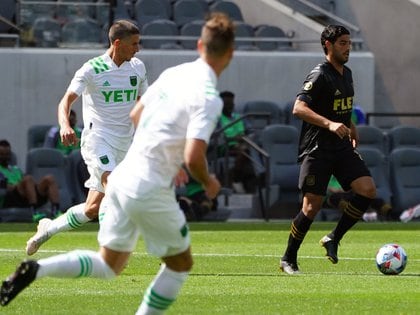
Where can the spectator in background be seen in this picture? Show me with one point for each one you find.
(337, 198)
(410, 213)
(53, 139)
(242, 175)
(194, 201)
(23, 191)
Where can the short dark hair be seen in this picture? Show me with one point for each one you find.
(331, 33)
(227, 94)
(4, 143)
(122, 29)
(218, 34)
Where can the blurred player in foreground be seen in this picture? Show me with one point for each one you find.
(175, 119)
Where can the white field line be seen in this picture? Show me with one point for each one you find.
(11, 250)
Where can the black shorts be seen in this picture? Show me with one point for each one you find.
(14, 199)
(317, 168)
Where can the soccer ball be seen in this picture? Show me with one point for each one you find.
(391, 259)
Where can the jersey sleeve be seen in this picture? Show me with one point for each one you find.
(203, 119)
(141, 70)
(312, 86)
(80, 80)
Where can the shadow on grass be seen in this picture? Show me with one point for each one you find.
(240, 226)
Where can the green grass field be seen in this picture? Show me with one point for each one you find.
(235, 272)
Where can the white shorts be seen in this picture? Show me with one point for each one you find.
(99, 157)
(156, 216)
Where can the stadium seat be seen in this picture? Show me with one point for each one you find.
(160, 27)
(228, 7)
(372, 137)
(46, 161)
(77, 174)
(69, 10)
(8, 12)
(404, 136)
(281, 142)
(146, 11)
(36, 135)
(243, 29)
(266, 112)
(46, 32)
(378, 166)
(185, 11)
(404, 178)
(271, 31)
(29, 12)
(289, 118)
(192, 28)
(81, 31)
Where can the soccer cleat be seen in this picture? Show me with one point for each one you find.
(37, 216)
(410, 214)
(331, 246)
(40, 237)
(291, 268)
(19, 280)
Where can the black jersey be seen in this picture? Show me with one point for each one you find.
(329, 94)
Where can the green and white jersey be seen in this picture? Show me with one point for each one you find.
(183, 103)
(108, 94)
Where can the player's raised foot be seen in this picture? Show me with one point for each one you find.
(289, 267)
(40, 237)
(331, 247)
(19, 280)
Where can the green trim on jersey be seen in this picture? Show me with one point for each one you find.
(98, 64)
(211, 89)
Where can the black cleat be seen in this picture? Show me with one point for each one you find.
(19, 280)
(291, 268)
(331, 246)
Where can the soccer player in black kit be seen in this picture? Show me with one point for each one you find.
(327, 147)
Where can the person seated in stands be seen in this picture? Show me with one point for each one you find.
(242, 175)
(53, 139)
(23, 191)
(194, 201)
(337, 198)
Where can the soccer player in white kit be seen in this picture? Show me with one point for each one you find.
(175, 119)
(110, 85)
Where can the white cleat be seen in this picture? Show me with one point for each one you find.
(291, 268)
(40, 237)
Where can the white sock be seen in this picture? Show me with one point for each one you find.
(74, 264)
(162, 292)
(74, 218)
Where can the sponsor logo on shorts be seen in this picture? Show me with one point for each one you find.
(184, 230)
(310, 180)
(104, 159)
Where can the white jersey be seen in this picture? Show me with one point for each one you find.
(108, 94)
(182, 104)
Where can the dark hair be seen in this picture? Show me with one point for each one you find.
(218, 34)
(227, 94)
(122, 29)
(331, 33)
(4, 143)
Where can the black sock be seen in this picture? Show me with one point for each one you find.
(352, 213)
(300, 226)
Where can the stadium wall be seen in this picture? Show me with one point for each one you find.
(32, 81)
